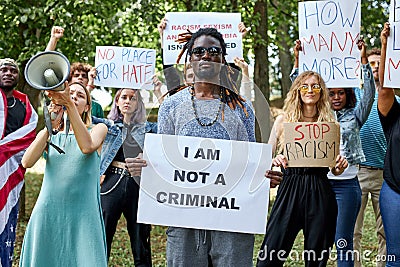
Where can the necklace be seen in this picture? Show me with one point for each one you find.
(195, 111)
(13, 104)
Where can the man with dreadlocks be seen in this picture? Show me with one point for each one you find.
(210, 108)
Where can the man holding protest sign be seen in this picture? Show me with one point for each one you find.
(389, 114)
(370, 174)
(211, 108)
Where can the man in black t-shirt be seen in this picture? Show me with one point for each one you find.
(389, 199)
(18, 122)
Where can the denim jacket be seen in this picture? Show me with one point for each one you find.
(115, 137)
(352, 119)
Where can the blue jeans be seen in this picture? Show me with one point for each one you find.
(348, 198)
(389, 202)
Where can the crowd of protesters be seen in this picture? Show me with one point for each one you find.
(94, 164)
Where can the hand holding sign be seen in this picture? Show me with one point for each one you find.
(275, 177)
(341, 165)
(280, 161)
(135, 165)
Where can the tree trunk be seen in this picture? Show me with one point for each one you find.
(285, 58)
(261, 74)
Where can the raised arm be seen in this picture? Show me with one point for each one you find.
(56, 33)
(35, 150)
(296, 50)
(364, 108)
(243, 30)
(87, 142)
(161, 27)
(246, 83)
(385, 95)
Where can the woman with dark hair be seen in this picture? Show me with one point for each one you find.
(66, 227)
(120, 189)
(346, 187)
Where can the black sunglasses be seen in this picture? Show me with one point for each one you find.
(213, 51)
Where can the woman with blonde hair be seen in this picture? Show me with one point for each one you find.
(305, 200)
(66, 226)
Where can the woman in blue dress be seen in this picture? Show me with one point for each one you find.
(66, 226)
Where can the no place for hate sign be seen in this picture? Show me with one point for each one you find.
(203, 183)
(329, 31)
(125, 67)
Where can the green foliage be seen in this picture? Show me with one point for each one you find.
(25, 25)
(373, 15)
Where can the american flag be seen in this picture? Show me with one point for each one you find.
(12, 148)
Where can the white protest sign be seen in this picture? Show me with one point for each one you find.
(125, 67)
(180, 22)
(328, 31)
(392, 63)
(201, 183)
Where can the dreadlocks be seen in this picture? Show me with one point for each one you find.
(230, 95)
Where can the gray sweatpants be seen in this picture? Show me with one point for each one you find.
(192, 247)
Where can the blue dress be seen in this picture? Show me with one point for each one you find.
(66, 226)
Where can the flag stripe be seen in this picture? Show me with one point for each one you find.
(13, 180)
(12, 173)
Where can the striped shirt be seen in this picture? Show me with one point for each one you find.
(373, 140)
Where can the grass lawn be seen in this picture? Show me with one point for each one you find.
(121, 254)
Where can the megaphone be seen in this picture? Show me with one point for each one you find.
(47, 71)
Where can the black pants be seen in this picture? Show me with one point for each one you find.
(123, 199)
(305, 201)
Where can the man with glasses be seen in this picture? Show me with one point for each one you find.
(210, 108)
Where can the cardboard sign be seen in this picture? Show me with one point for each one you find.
(311, 144)
(329, 31)
(203, 183)
(125, 67)
(180, 22)
(392, 68)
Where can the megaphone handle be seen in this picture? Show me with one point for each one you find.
(67, 126)
(47, 122)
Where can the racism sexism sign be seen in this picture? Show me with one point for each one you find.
(311, 144)
(392, 64)
(203, 183)
(329, 31)
(125, 67)
(180, 22)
